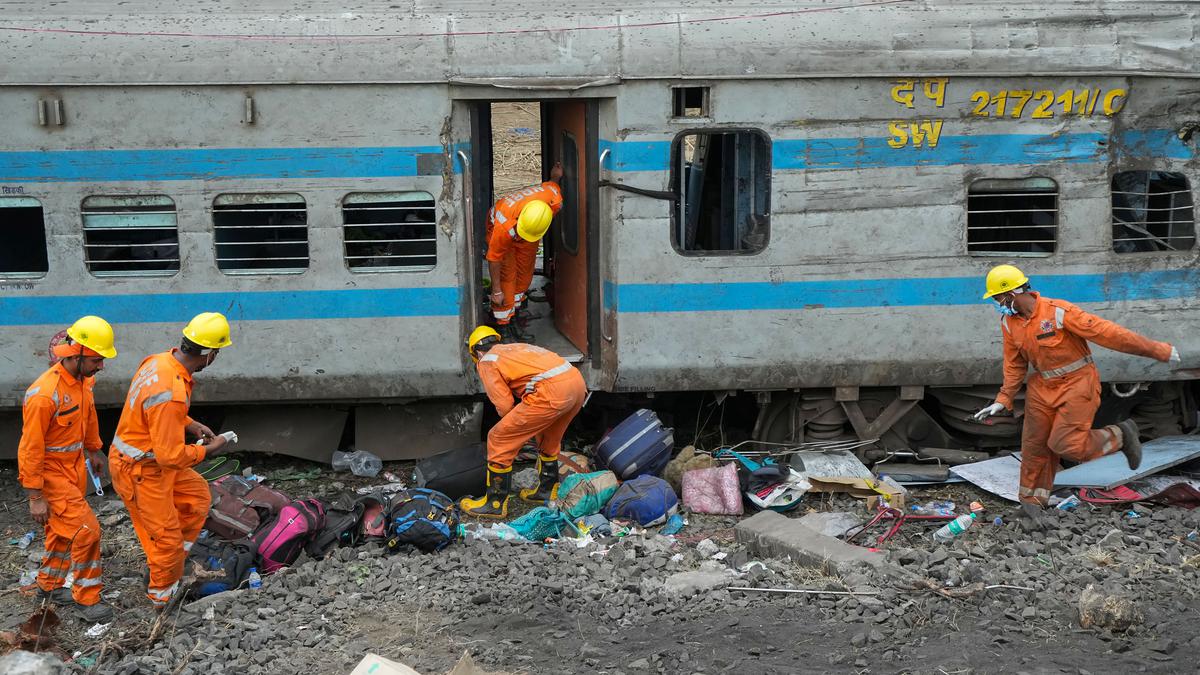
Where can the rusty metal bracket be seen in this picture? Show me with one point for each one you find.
(898, 408)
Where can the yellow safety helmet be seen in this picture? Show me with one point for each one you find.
(478, 335)
(94, 333)
(1004, 278)
(534, 220)
(209, 330)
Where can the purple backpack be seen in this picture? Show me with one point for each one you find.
(281, 540)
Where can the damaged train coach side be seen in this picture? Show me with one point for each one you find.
(796, 199)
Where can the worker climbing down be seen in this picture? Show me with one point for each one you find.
(1064, 390)
(59, 426)
(151, 462)
(516, 225)
(550, 392)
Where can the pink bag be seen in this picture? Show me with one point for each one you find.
(281, 541)
(713, 491)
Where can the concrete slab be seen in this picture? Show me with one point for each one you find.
(770, 534)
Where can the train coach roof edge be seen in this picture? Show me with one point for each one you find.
(87, 42)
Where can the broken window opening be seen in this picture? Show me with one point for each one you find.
(1012, 217)
(723, 179)
(689, 101)
(261, 233)
(24, 252)
(135, 235)
(1152, 211)
(389, 231)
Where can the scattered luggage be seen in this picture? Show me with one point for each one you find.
(638, 446)
(343, 527)
(426, 520)
(456, 474)
(542, 523)
(281, 541)
(584, 494)
(714, 491)
(233, 558)
(647, 500)
(372, 522)
(240, 506)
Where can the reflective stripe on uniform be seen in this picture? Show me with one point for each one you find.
(506, 314)
(519, 297)
(1069, 368)
(84, 583)
(1059, 313)
(129, 451)
(1040, 493)
(499, 217)
(86, 565)
(157, 399)
(64, 448)
(162, 595)
(489, 357)
(512, 232)
(555, 371)
(30, 394)
(54, 572)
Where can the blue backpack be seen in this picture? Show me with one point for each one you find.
(423, 519)
(648, 500)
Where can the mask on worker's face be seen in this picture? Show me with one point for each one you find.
(1004, 308)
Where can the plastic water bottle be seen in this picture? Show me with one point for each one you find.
(1069, 503)
(957, 526)
(364, 464)
(24, 542)
(255, 579)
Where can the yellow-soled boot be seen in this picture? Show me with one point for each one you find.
(494, 504)
(547, 487)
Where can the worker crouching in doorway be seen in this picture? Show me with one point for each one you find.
(549, 391)
(1063, 392)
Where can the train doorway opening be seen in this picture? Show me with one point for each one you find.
(515, 147)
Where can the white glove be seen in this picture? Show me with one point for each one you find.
(1175, 358)
(993, 409)
(229, 436)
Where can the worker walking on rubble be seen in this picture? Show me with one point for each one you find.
(151, 462)
(550, 392)
(1064, 391)
(59, 426)
(515, 227)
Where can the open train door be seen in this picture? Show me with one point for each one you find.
(570, 136)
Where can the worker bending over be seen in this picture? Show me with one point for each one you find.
(516, 225)
(59, 426)
(1064, 390)
(550, 393)
(151, 462)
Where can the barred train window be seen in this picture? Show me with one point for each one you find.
(723, 179)
(135, 235)
(261, 233)
(1012, 217)
(24, 250)
(1152, 211)
(387, 231)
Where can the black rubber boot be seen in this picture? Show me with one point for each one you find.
(1131, 445)
(547, 487)
(494, 504)
(59, 596)
(97, 613)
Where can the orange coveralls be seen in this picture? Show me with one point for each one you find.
(60, 423)
(152, 470)
(1064, 391)
(516, 256)
(551, 392)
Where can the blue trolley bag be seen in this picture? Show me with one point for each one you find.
(638, 446)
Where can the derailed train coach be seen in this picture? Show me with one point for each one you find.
(797, 201)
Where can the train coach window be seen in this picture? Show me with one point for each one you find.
(689, 101)
(1152, 211)
(261, 233)
(130, 235)
(723, 179)
(388, 231)
(24, 250)
(1012, 217)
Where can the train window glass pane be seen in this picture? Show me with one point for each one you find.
(689, 101)
(24, 250)
(261, 233)
(723, 179)
(390, 231)
(1012, 217)
(568, 216)
(1152, 211)
(130, 235)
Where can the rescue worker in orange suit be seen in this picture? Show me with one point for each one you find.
(516, 225)
(59, 426)
(549, 393)
(151, 461)
(1063, 393)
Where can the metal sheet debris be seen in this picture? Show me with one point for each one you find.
(1112, 470)
(833, 464)
(998, 476)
